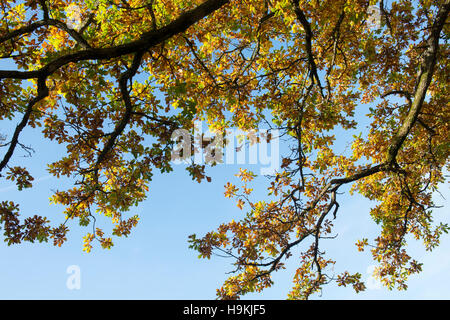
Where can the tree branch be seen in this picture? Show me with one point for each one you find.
(146, 41)
(424, 80)
(308, 43)
(41, 94)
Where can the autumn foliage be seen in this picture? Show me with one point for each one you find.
(118, 74)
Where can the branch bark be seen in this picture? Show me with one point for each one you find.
(424, 80)
(41, 94)
(146, 41)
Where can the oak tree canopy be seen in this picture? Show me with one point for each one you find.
(104, 77)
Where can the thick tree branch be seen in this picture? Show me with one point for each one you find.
(308, 43)
(424, 80)
(43, 23)
(44, 9)
(145, 42)
(41, 94)
(124, 78)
